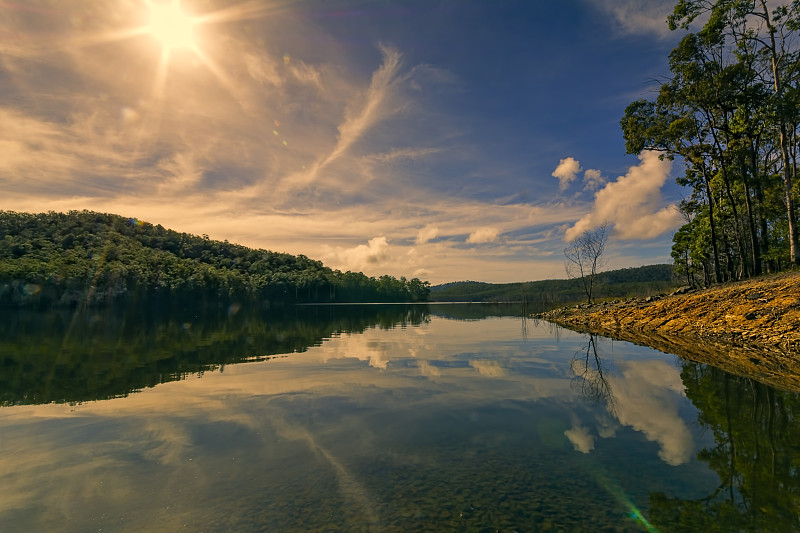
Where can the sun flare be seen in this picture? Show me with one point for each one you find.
(171, 25)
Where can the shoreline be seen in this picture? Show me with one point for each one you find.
(750, 327)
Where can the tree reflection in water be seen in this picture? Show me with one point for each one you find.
(756, 455)
(65, 356)
(589, 376)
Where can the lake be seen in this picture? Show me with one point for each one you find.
(377, 418)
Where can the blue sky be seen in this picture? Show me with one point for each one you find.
(446, 140)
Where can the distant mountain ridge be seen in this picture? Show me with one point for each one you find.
(637, 281)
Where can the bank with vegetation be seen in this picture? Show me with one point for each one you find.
(749, 327)
(88, 258)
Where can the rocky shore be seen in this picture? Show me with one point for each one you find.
(750, 328)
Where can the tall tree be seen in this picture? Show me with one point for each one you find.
(773, 34)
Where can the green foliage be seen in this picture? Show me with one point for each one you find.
(731, 111)
(640, 281)
(86, 258)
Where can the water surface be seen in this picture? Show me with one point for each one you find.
(377, 418)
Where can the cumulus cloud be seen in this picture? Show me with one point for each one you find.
(648, 400)
(566, 172)
(593, 179)
(633, 203)
(360, 257)
(580, 437)
(483, 235)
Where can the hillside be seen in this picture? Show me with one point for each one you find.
(640, 281)
(87, 258)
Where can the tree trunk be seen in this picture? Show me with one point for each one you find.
(717, 272)
(794, 248)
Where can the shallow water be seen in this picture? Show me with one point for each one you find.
(377, 418)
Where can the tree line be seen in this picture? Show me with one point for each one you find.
(730, 109)
(87, 258)
(544, 294)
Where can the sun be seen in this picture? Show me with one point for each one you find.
(170, 25)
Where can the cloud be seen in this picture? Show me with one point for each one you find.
(648, 398)
(593, 179)
(482, 235)
(374, 253)
(633, 203)
(426, 234)
(638, 17)
(362, 113)
(580, 437)
(489, 369)
(566, 172)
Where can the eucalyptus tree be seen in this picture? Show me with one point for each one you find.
(730, 110)
(770, 35)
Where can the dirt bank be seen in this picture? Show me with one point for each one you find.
(749, 328)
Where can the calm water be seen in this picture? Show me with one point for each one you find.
(377, 418)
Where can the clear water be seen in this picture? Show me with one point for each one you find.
(377, 418)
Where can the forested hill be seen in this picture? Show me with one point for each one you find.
(640, 281)
(84, 257)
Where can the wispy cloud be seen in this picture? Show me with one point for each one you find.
(638, 17)
(362, 113)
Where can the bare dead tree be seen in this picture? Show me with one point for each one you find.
(589, 377)
(585, 257)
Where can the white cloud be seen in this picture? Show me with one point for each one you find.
(593, 179)
(362, 113)
(566, 171)
(647, 399)
(482, 235)
(633, 203)
(581, 439)
(426, 234)
(360, 257)
(489, 369)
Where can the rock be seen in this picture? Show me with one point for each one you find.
(755, 296)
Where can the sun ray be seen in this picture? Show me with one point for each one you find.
(221, 76)
(243, 11)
